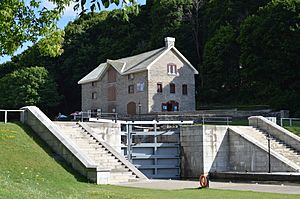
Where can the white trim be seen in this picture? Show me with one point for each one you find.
(187, 61)
(178, 53)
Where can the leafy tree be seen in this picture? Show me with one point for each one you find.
(222, 12)
(221, 66)
(21, 22)
(270, 46)
(28, 86)
(173, 13)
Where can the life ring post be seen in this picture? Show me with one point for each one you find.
(204, 181)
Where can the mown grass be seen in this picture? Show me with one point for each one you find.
(28, 169)
(294, 129)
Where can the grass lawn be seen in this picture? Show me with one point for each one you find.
(29, 170)
(294, 129)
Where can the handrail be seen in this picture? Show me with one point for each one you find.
(290, 120)
(6, 111)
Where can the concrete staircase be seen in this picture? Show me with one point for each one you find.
(101, 154)
(276, 145)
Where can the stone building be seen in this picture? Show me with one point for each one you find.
(155, 81)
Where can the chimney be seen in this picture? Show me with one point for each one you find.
(169, 41)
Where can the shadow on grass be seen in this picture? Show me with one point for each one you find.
(60, 160)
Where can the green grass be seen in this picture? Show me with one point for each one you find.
(28, 169)
(293, 129)
(239, 122)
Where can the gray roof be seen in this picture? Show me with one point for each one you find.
(140, 62)
(94, 75)
(131, 64)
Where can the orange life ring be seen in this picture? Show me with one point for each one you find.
(203, 181)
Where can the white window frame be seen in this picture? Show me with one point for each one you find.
(172, 69)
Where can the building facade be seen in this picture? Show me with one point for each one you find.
(155, 81)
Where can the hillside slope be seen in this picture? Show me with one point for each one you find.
(28, 169)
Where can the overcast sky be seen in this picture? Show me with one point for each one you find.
(69, 15)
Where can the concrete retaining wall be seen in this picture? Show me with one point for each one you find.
(109, 132)
(246, 156)
(61, 145)
(211, 149)
(203, 149)
(275, 130)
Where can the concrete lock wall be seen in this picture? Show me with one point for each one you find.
(246, 156)
(211, 148)
(46, 130)
(109, 132)
(203, 149)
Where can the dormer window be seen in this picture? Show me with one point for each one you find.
(172, 69)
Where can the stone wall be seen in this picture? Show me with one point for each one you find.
(158, 74)
(49, 133)
(122, 96)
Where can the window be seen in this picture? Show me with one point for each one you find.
(172, 69)
(159, 87)
(131, 89)
(184, 89)
(94, 84)
(111, 75)
(94, 95)
(172, 88)
(130, 76)
(140, 87)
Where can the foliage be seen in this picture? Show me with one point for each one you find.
(221, 66)
(29, 169)
(245, 51)
(28, 21)
(21, 22)
(270, 46)
(28, 86)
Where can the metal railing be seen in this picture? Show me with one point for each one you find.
(290, 121)
(214, 120)
(7, 111)
(89, 114)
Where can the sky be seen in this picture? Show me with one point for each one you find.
(69, 15)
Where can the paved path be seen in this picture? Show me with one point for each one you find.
(181, 184)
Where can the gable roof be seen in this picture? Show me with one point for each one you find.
(133, 64)
(94, 75)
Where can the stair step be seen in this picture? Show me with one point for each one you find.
(114, 168)
(110, 165)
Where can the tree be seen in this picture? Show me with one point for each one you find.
(28, 86)
(28, 21)
(221, 66)
(270, 47)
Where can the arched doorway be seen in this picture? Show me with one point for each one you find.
(131, 108)
(170, 106)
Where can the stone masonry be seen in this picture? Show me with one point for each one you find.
(148, 71)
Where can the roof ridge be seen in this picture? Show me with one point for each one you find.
(159, 50)
(140, 54)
